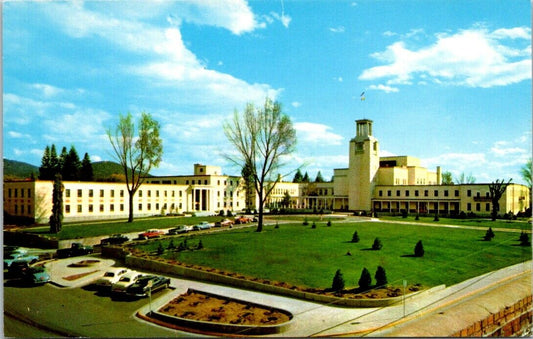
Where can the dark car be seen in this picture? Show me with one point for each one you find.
(142, 287)
(18, 268)
(179, 230)
(115, 239)
(36, 275)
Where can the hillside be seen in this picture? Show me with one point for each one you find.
(102, 170)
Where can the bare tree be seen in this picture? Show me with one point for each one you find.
(136, 154)
(497, 189)
(525, 171)
(465, 179)
(261, 136)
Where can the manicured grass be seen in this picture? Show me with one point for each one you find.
(309, 257)
(72, 231)
(480, 222)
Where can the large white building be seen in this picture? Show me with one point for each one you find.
(370, 183)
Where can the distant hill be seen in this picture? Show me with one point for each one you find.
(19, 170)
(102, 170)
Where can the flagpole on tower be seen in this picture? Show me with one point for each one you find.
(362, 97)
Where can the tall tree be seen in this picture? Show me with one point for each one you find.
(305, 178)
(496, 189)
(56, 219)
(86, 172)
(261, 136)
(525, 171)
(71, 166)
(55, 166)
(136, 154)
(447, 178)
(286, 202)
(319, 177)
(45, 170)
(62, 158)
(298, 177)
(465, 179)
(249, 186)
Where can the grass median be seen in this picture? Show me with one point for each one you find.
(308, 257)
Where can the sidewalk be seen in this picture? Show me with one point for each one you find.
(72, 273)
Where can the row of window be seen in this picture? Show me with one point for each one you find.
(121, 193)
(417, 193)
(23, 209)
(14, 192)
(478, 207)
(90, 207)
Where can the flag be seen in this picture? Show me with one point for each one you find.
(362, 96)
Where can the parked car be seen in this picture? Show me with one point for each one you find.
(10, 258)
(204, 225)
(14, 249)
(152, 233)
(242, 220)
(224, 223)
(36, 275)
(125, 281)
(17, 269)
(76, 249)
(110, 277)
(115, 239)
(179, 230)
(141, 288)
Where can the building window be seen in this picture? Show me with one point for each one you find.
(9, 193)
(122, 193)
(29, 209)
(456, 193)
(469, 193)
(426, 193)
(22, 206)
(389, 193)
(16, 193)
(67, 208)
(397, 193)
(112, 208)
(140, 207)
(16, 209)
(205, 182)
(487, 207)
(101, 208)
(157, 194)
(446, 193)
(140, 193)
(90, 193)
(193, 182)
(22, 195)
(157, 206)
(436, 193)
(416, 193)
(112, 193)
(101, 193)
(469, 207)
(186, 182)
(149, 206)
(79, 194)
(90, 208)
(181, 193)
(407, 193)
(67, 193)
(122, 207)
(478, 207)
(380, 193)
(149, 193)
(80, 209)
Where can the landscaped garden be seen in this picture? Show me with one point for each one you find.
(309, 256)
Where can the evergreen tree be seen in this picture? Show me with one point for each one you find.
(45, 169)
(355, 237)
(86, 172)
(62, 158)
(319, 177)
(377, 245)
(305, 178)
(338, 281)
(489, 235)
(419, 249)
(56, 218)
(55, 166)
(298, 177)
(72, 166)
(365, 280)
(286, 202)
(381, 277)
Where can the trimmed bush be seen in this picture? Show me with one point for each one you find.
(355, 237)
(365, 280)
(277, 225)
(404, 213)
(200, 245)
(381, 277)
(524, 239)
(171, 245)
(329, 223)
(417, 217)
(305, 223)
(377, 245)
(338, 281)
(160, 249)
(489, 235)
(419, 249)
(313, 225)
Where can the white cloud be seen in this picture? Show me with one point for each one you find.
(312, 133)
(381, 87)
(474, 58)
(338, 29)
(296, 104)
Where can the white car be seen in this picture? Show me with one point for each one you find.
(111, 276)
(125, 281)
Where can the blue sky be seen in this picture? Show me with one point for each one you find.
(448, 82)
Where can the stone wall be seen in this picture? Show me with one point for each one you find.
(510, 321)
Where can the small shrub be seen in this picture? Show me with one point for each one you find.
(377, 245)
(524, 239)
(200, 245)
(462, 215)
(365, 280)
(489, 235)
(355, 237)
(419, 249)
(221, 213)
(436, 217)
(404, 214)
(160, 249)
(329, 223)
(338, 281)
(229, 214)
(171, 245)
(277, 225)
(381, 277)
(313, 225)
(305, 223)
(417, 217)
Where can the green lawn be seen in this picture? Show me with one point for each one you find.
(309, 257)
(481, 222)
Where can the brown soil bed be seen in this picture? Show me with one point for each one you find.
(198, 306)
(84, 263)
(77, 276)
